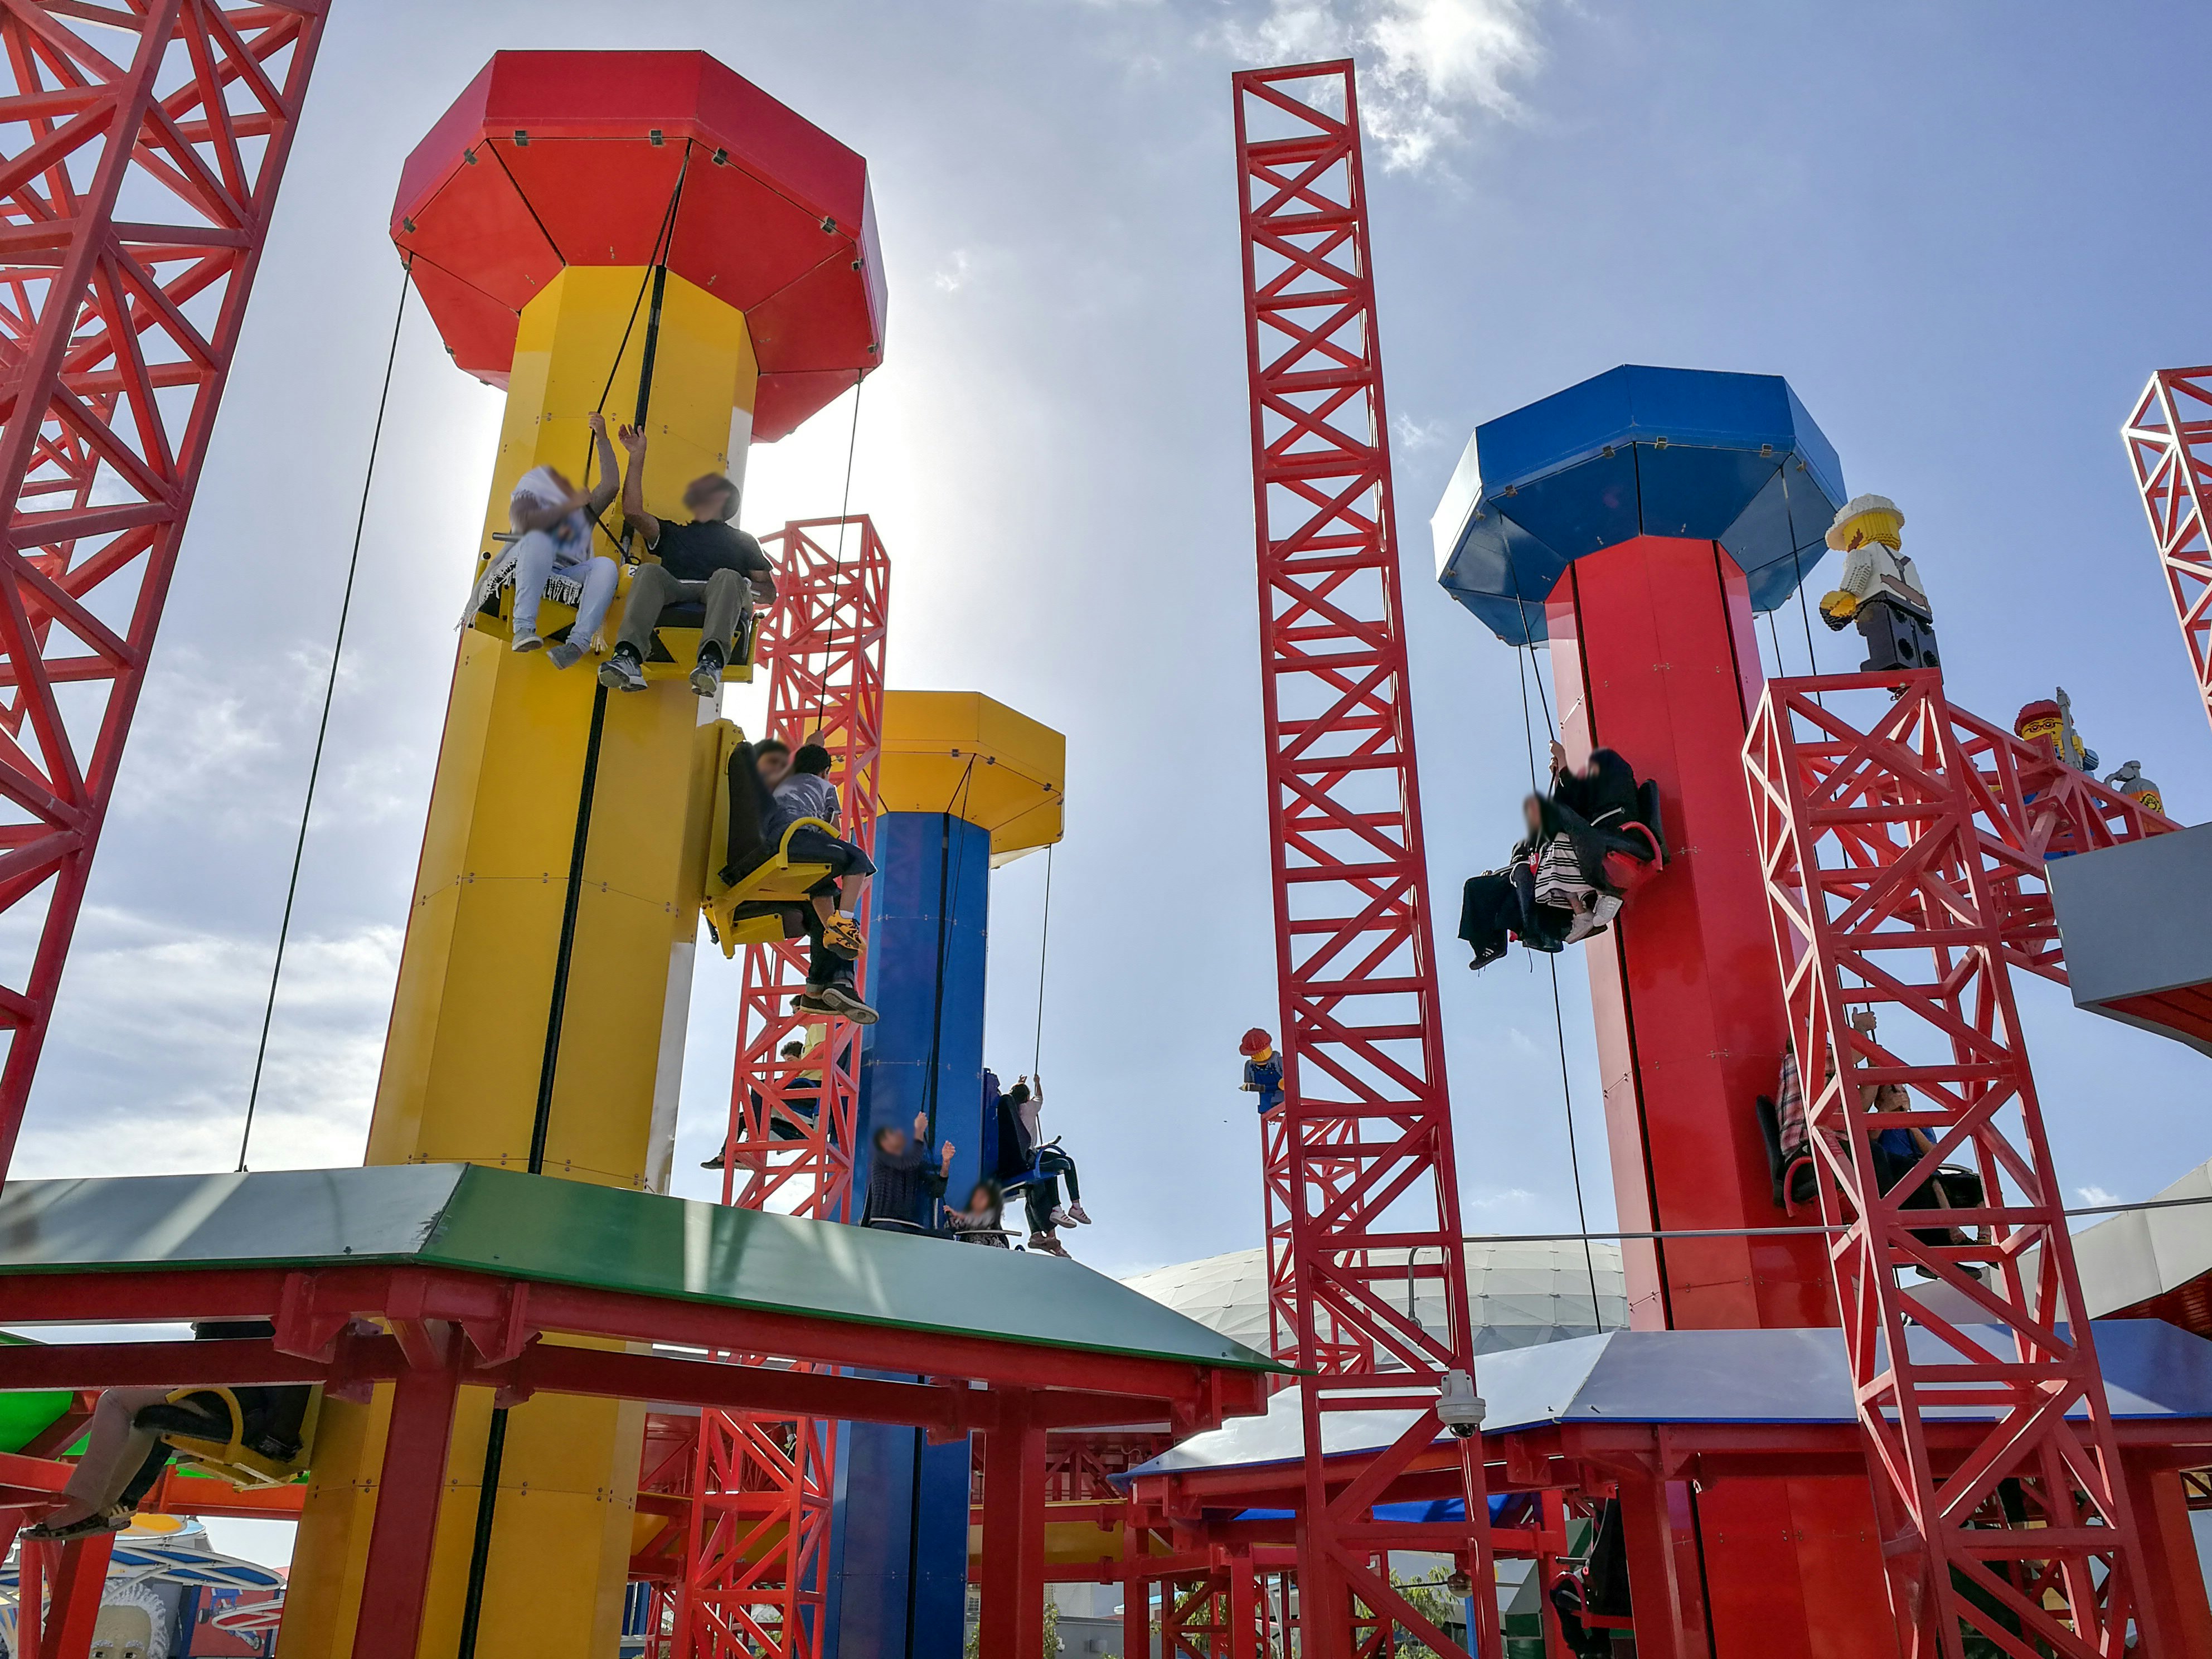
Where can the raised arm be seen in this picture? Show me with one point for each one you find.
(609, 473)
(633, 489)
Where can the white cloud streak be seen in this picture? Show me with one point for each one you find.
(1426, 64)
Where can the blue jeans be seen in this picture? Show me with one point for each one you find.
(537, 556)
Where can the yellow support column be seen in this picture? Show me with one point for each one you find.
(468, 1040)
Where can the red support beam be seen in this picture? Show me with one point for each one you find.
(1364, 1170)
(1887, 840)
(1012, 1622)
(757, 1580)
(117, 337)
(402, 1535)
(2169, 443)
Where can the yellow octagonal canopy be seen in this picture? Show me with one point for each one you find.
(965, 753)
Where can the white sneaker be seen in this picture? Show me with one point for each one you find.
(528, 641)
(1606, 907)
(1061, 1218)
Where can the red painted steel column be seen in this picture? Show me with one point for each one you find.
(762, 1489)
(403, 1533)
(71, 1578)
(1655, 1587)
(1367, 1130)
(1886, 831)
(2171, 1572)
(1012, 1622)
(2169, 441)
(1136, 1592)
(117, 333)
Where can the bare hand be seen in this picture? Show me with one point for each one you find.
(1558, 755)
(944, 1156)
(633, 439)
(597, 423)
(921, 1125)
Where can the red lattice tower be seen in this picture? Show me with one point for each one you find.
(1894, 857)
(127, 267)
(1367, 1138)
(2169, 439)
(757, 1569)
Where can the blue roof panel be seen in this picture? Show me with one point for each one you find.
(1635, 451)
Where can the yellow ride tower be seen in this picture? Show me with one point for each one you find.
(646, 235)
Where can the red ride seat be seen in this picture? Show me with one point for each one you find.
(1626, 872)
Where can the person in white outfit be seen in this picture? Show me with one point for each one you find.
(553, 521)
(1880, 590)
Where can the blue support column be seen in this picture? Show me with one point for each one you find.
(899, 1519)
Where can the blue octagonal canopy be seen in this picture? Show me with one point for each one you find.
(1636, 452)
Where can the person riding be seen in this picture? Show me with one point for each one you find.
(903, 1183)
(1263, 1069)
(1555, 891)
(805, 792)
(983, 1218)
(553, 521)
(708, 562)
(831, 984)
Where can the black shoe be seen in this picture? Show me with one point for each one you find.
(1483, 958)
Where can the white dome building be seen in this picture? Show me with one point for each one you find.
(1522, 1294)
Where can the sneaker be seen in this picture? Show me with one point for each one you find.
(1605, 908)
(1061, 1217)
(621, 673)
(90, 1526)
(567, 655)
(707, 677)
(834, 1000)
(1046, 1244)
(1483, 958)
(1075, 1213)
(842, 935)
(527, 640)
(714, 1162)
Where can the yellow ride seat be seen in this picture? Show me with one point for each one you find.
(675, 642)
(762, 904)
(233, 1460)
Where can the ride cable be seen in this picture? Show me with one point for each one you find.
(323, 726)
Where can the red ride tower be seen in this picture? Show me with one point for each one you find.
(1638, 522)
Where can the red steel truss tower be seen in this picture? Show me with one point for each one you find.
(2169, 439)
(1366, 1134)
(1894, 856)
(146, 145)
(757, 1564)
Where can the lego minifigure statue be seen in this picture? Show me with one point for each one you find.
(1880, 590)
(2130, 782)
(1263, 1069)
(2048, 724)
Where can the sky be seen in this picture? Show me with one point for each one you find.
(1953, 229)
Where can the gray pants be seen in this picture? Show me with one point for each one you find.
(726, 594)
(114, 1449)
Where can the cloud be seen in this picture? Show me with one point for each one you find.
(1425, 63)
(2096, 1195)
(1501, 1198)
(155, 1062)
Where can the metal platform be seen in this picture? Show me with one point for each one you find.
(468, 1219)
(2136, 921)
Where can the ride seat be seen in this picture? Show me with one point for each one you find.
(675, 640)
(764, 903)
(233, 1460)
(1626, 871)
(1796, 1184)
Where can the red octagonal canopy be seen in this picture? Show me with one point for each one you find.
(559, 158)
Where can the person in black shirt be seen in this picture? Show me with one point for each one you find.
(709, 562)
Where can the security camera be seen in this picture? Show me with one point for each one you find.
(1458, 1407)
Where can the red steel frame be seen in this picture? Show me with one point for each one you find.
(127, 267)
(2169, 439)
(1367, 1118)
(1894, 857)
(755, 1572)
